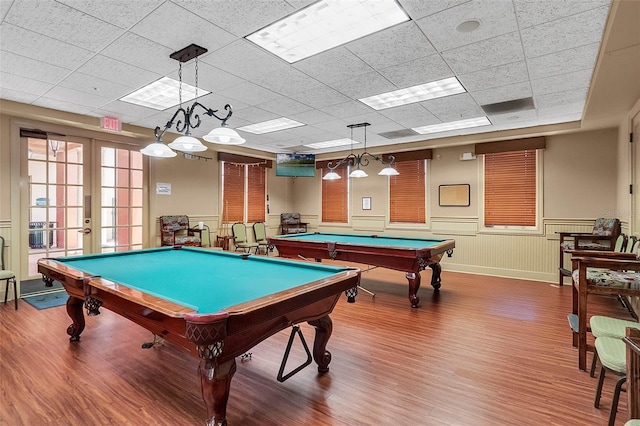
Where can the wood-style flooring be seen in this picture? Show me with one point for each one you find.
(484, 351)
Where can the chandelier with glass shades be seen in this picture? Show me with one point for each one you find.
(357, 160)
(188, 119)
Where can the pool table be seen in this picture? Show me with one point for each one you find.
(410, 255)
(215, 304)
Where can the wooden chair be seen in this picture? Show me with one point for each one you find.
(632, 340)
(602, 273)
(603, 237)
(240, 240)
(8, 276)
(175, 231)
(260, 233)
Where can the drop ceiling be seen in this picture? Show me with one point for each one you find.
(82, 56)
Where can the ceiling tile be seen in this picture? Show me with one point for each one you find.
(77, 97)
(320, 97)
(420, 8)
(249, 93)
(484, 54)
(417, 71)
(502, 75)
(200, 31)
(536, 12)
(25, 85)
(284, 107)
(62, 23)
(142, 53)
(380, 50)
(17, 96)
(95, 86)
(32, 69)
(453, 108)
(110, 69)
(574, 31)
(333, 65)
(239, 17)
(496, 17)
(575, 59)
(364, 85)
(124, 14)
(562, 82)
(554, 99)
(41, 48)
(287, 81)
(244, 60)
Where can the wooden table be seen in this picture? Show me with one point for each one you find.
(223, 241)
(633, 371)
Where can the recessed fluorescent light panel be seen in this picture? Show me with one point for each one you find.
(331, 144)
(325, 25)
(419, 93)
(281, 123)
(163, 94)
(453, 125)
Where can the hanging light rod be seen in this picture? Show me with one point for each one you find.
(357, 160)
(188, 119)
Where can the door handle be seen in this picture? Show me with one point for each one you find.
(85, 231)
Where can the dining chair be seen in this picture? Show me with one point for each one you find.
(240, 240)
(7, 276)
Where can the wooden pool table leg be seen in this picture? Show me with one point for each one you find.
(324, 328)
(414, 286)
(215, 381)
(74, 310)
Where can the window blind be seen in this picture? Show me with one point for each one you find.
(233, 193)
(335, 197)
(407, 192)
(256, 201)
(510, 188)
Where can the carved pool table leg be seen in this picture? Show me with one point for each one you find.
(74, 310)
(414, 286)
(324, 328)
(215, 381)
(435, 276)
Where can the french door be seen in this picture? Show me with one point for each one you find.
(81, 196)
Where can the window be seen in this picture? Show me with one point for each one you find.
(335, 197)
(510, 181)
(407, 192)
(243, 192)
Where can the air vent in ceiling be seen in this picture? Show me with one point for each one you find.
(508, 106)
(395, 134)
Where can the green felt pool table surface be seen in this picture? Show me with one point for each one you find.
(204, 280)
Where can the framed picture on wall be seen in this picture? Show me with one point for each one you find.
(366, 203)
(457, 195)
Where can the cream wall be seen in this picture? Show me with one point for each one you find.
(576, 166)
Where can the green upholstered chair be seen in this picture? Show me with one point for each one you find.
(7, 276)
(633, 422)
(612, 353)
(260, 233)
(602, 326)
(240, 240)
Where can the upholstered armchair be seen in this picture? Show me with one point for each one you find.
(290, 223)
(603, 237)
(175, 231)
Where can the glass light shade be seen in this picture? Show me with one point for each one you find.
(158, 149)
(388, 171)
(358, 173)
(224, 136)
(331, 176)
(187, 144)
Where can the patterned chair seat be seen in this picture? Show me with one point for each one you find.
(176, 231)
(610, 278)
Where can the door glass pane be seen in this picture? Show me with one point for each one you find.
(136, 160)
(122, 159)
(108, 217)
(37, 172)
(74, 196)
(108, 176)
(74, 239)
(122, 178)
(74, 174)
(56, 150)
(56, 196)
(122, 197)
(56, 173)
(136, 198)
(136, 178)
(136, 235)
(108, 157)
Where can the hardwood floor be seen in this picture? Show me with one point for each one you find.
(485, 351)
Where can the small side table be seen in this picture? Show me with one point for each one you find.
(223, 241)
